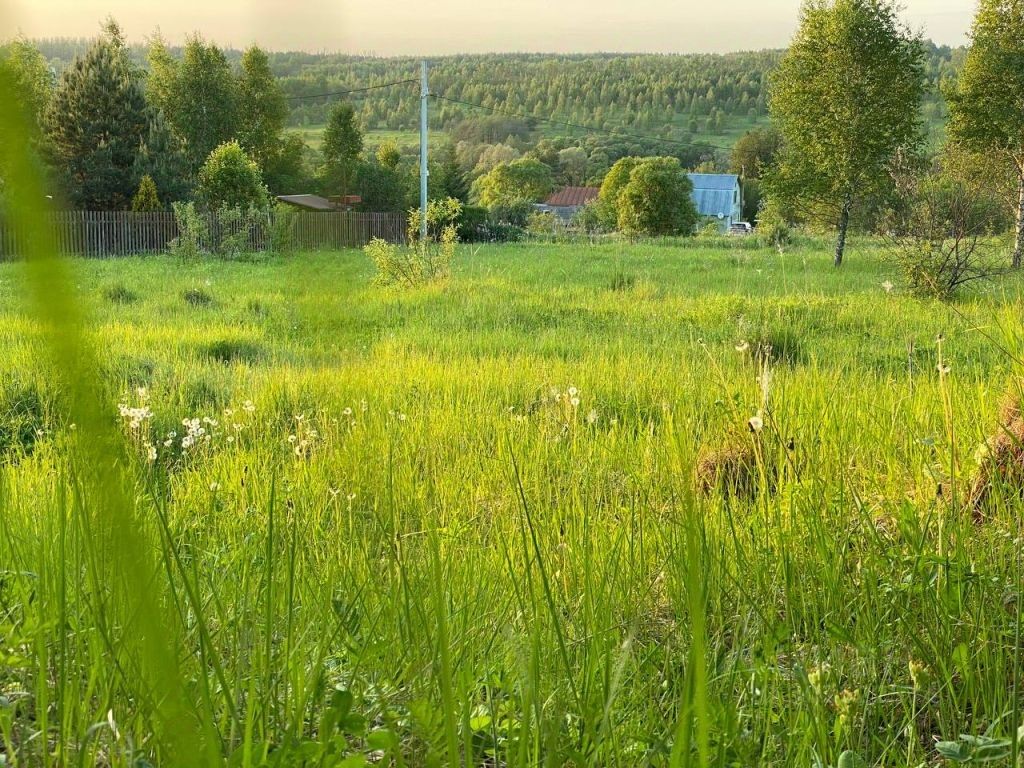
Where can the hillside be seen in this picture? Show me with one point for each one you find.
(684, 97)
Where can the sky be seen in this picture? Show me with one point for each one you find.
(425, 27)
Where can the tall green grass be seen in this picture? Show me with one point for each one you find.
(458, 525)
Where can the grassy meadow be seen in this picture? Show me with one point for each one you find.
(502, 521)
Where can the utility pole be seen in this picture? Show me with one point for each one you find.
(424, 93)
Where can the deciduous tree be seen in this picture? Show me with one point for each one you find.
(846, 98)
(656, 200)
(198, 96)
(614, 182)
(524, 179)
(755, 152)
(343, 143)
(262, 109)
(986, 106)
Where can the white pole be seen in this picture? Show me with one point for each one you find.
(424, 93)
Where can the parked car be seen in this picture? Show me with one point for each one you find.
(741, 228)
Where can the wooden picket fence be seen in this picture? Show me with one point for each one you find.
(105, 234)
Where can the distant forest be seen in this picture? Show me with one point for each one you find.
(677, 97)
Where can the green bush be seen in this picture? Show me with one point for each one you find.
(237, 229)
(472, 224)
(943, 240)
(193, 232)
(230, 179)
(422, 261)
(282, 230)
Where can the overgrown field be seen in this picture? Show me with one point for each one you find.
(566, 509)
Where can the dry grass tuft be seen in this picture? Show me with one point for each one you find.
(1001, 458)
(733, 469)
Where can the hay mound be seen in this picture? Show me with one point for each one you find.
(1001, 464)
(731, 469)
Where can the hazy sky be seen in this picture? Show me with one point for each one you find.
(386, 27)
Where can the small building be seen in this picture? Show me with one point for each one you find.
(718, 196)
(567, 201)
(320, 204)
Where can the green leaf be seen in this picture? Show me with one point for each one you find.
(850, 759)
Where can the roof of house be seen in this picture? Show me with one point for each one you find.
(311, 202)
(714, 180)
(713, 193)
(568, 197)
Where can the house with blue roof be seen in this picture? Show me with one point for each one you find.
(718, 196)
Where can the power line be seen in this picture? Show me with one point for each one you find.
(353, 90)
(610, 132)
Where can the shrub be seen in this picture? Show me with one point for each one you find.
(236, 229)
(146, 199)
(589, 218)
(772, 228)
(282, 230)
(513, 213)
(421, 261)
(543, 224)
(710, 230)
(472, 224)
(193, 232)
(941, 242)
(230, 179)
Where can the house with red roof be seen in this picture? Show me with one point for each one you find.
(568, 200)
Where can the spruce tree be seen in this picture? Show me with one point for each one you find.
(95, 124)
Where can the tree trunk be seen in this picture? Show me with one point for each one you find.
(844, 225)
(1018, 248)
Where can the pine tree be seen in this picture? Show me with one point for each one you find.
(446, 178)
(161, 158)
(95, 124)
